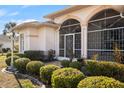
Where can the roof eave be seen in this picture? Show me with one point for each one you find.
(35, 26)
(65, 10)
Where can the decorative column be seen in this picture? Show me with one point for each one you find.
(84, 40)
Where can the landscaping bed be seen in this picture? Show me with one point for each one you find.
(8, 80)
(68, 74)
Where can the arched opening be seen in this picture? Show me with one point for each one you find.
(105, 29)
(70, 39)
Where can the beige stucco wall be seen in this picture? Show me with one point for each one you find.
(50, 38)
(43, 38)
(33, 39)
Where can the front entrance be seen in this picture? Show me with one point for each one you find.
(69, 45)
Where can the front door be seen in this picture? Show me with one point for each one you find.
(69, 45)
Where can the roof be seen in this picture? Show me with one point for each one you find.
(65, 11)
(36, 24)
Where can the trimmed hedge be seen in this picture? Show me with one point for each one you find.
(100, 82)
(8, 60)
(109, 69)
(33, 67)
(76, 65)
(21, 55)
(65, 63)
(21, 63)
(46, 72)
(34, 55)
(66, 78)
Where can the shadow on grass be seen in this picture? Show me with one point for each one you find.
(18, 81)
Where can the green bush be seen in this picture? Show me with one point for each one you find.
(82, 61)
(21, 55)
(8, 60)
(33, 67)
(8, 54)
(66, 78)
(109, 69)
(21, 63)
(100, 82)
(76, 65)
(34, 55)
(46, 72)
(65, 63)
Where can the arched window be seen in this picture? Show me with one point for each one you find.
(70, 39)
(105, 29)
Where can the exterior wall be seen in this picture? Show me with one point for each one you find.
(47, 38)
(43, 38)
(33, 39)
(50, 38)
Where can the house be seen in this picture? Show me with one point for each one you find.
(84, 30)
(5, 41)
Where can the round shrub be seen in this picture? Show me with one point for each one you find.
(21, 55)
(21, 63)
(109, 69)
(66, 78)
(46, 72)
(65, 63)
(33, 67)
(8, 60)
(76, 65)
(8, 54)
(100, 82)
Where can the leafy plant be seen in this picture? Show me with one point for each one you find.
(76, 65)
(109, 69)
(27, 84)
(81, 60)
(46, 72)
(66, 78)
(100, 82)
(65, 63)
(8, 60)
(34, 54)
(51, 55)
(117, 54)
(21, 63)
(33, 67)
(95, 57)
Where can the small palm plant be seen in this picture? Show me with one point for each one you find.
(117, 54)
